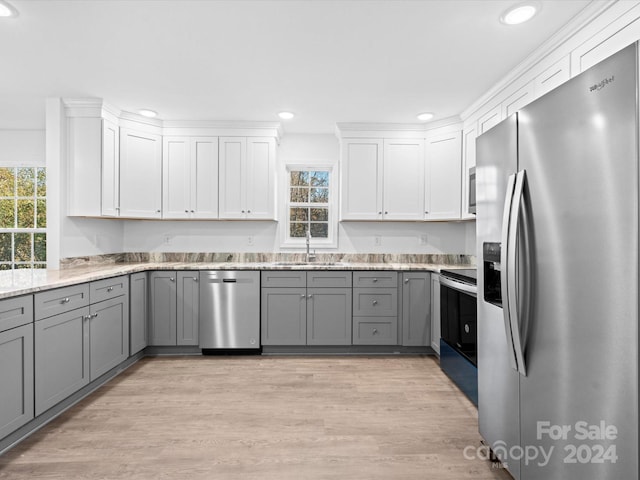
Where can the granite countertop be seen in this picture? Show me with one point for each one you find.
(25, 281)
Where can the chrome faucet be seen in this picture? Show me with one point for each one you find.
(311, 257)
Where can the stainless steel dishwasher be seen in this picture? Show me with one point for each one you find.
(229, 310)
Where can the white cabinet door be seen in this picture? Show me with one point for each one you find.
(517, 100)
(204, 177)
(176, 176)
(140, 174)
(468, 161)
(490, 119)
(259, 179)
(403, 185)
(190, 177)
(443, 192)
(233, 154)
(555, 75)
(361, 179)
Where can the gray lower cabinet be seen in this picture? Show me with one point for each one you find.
(329, 316)
(173, 315)
(284, 316)
(16, 376)
(61, 357)
(138, 311)
(375, 308)
(108, 335)
(416, 309)
(435, 312)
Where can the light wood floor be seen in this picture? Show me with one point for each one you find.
(390, 418)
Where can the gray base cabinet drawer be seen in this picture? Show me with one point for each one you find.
(108, 288)
(15, 312)
(375, 330)
(378, 279)
(16, 378)
(375, 302)
(328, 279)
(60, 300)
(287, 279)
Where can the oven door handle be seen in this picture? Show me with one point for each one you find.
(461, 287)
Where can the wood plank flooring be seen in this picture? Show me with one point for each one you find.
(262, 418)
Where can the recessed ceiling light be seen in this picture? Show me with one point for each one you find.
(286, 115)
(424, 117)
(520, 13)
(147, 113)
(7, 10)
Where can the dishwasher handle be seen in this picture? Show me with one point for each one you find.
(229, 280)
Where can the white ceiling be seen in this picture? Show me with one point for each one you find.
(245, 60)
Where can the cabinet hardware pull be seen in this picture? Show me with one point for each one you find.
(386, 213)
(406, 280)
(375, 302)
(248, 211)
(95, 315)
(303, 296)
(195, 279)
(379, 213)
(375, 280)
(172, 279)
(110, 289)
(186, 211)
(65, 300)
(242, 211)
(157, 211)
(193, 211)
(309, 296)
(375, 331)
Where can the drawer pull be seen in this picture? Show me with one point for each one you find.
(65, 300)
(375, 331)
(110, 289)
(303, 296)
(375, 280)
(375, 302)
(172, 279)
(309, 296)
(406, 280)
(195, 279)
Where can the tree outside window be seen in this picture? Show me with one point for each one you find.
(309, 203)
(23, 218)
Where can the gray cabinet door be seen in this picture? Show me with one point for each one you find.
(416, 309)
(284, 316)
(188, 318)
(109, 335)
(138, 312)
(61, 357)
(329, 316)
(16, 378)
(162, 326)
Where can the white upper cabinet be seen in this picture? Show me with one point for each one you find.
(361, 179)
(553, 76)
(403, 183)
(443, 184)
(190, 178)
(469, 135)
(247, 178)
(110, 169)
(140, 174)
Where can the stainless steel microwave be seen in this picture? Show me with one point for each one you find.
(472, 190)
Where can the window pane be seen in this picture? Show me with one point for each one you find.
(5, 247)
(320, 230)
(42, 183)
(299, 178)
(22, 247)
(6, 182)
(23, 265)
(299, 214)
(319, 195)
(7, 214)
(40, 247)
(5, 266)
(25, 214)
(26, 182)
(39, 265)
(300, 195)
(298, 230)
(320, 214)
(41, 214)
(320, 179)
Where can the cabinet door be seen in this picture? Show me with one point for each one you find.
(403, 191)
(140, 174)
(361, 179)
(204, 178)
(138, 312)
(16, 378)
(555, 75)
(435, 313)
(61, 357)
(468, 161)
(188, 319)
(416, 309)
(162, 326)
(284, 316)
(110, 169)
(176, 177)
(444, 160)
(329, 316)
(260, 178)
(233, 159)
(108, 334)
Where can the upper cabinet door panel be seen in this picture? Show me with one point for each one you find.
(110, 169)
(403, 192)
(176, 167)
(444, 157)
(361, 179)
(555, 75)
(140, 174)
(204, 177)
(260, 178)
(233, 154)
(489, 119)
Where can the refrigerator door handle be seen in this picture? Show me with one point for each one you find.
(504, 277)
(514, 311)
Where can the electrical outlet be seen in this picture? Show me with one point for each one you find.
(377, 240)
(250, 240)
(422, 240)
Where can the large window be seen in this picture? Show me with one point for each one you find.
(23, 218)
(310, 206)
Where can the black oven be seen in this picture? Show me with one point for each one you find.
(458, 329)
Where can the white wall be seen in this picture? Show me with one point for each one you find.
(22, 148)
(241, 236)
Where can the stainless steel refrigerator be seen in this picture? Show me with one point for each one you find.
(557, 247)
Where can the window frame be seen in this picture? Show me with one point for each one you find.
(316, 243)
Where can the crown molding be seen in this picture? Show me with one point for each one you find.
(393, 130)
